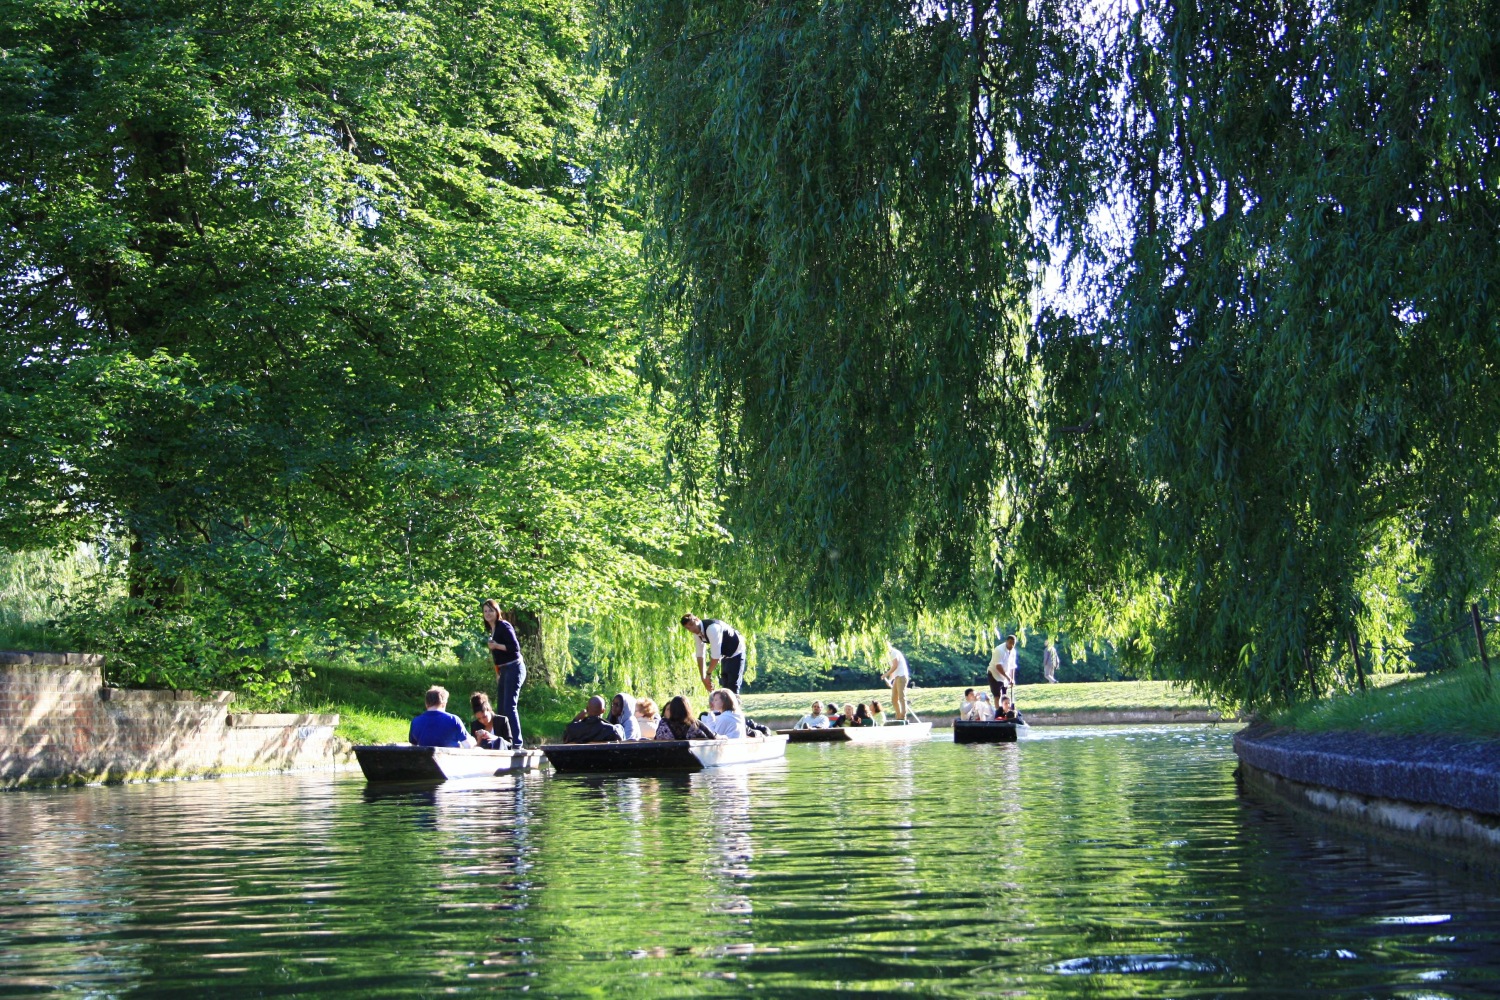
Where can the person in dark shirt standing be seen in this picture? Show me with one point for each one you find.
(437, 727)
(510, 668)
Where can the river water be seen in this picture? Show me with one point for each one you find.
(1085, 862)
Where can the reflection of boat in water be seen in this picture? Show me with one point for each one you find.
(897, 733)
(988, 732)
(404, 762)
(664, 755)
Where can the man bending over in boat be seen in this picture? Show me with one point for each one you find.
(677, 723)
(589, 726)
(817, 720)
(720, 648)
(437, 727)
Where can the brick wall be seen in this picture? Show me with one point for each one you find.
(59, 725)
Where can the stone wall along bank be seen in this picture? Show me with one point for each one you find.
(1439, 794)
(59, 724)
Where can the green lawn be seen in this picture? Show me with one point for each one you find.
(1454, 703)
(943, 701)
(375, 703)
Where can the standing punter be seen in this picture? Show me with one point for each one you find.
(510, 668)
(1002, 672)
(719, 648)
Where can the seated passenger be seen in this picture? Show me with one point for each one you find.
(489, 730)
(436, 727)
(815, 720)
(646, 718)
(677, 723)
(1007, 711)
(862, 716)
(589, 726)
(877, 717)
(968, 709)
(622, 714)
(846, 717)
(728, 719)
(984, 712)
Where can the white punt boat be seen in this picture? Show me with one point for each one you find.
(404, 762)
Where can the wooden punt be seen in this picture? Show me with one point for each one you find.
(987, 732)
(662, 755)
(897, 733)
(404, 762)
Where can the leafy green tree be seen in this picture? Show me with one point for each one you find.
(1264, 419)
(325, 312)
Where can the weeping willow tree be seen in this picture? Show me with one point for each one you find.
(842, 279)
(1250, 423)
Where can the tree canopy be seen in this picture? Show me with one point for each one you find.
(1170, 325)
(323, 314)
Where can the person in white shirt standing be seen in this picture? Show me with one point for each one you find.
(719, 648)
(1002, 672)
(897, 675)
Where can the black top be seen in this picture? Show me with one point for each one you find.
(592, 729)
(505, 634)
(499, 728)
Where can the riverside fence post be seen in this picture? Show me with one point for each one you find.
(1484, 656)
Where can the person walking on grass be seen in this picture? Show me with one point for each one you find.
(897, 675)
(1050, 663)
(1002, 672)
(510, 667)
(720, 648)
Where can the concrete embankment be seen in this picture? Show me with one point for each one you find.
(59, 724)
(1434, 793)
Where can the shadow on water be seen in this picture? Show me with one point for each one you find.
(1088, 863)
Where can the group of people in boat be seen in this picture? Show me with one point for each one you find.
(625, 718)
(720, 651)
(979, 708)
(851, 715)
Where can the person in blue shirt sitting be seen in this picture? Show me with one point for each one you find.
(436, 727)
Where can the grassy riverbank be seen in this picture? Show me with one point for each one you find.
(942, 701)
(375, 704)
(1463, 703)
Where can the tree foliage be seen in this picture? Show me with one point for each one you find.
(1260, 413)
(325, 314)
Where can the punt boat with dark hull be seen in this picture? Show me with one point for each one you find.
(404, 762)
(897, 733)
(988, 732)
(662, 755)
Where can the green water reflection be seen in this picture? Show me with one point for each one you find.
(1103, 863)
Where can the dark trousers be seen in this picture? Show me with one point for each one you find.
(509, 680)
(731, 672)
(997, 690)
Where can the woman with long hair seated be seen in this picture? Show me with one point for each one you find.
(728, 719)
(646, 718)
(677, 723)
(489, 730)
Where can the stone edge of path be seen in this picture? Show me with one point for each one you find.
(1434, 793)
